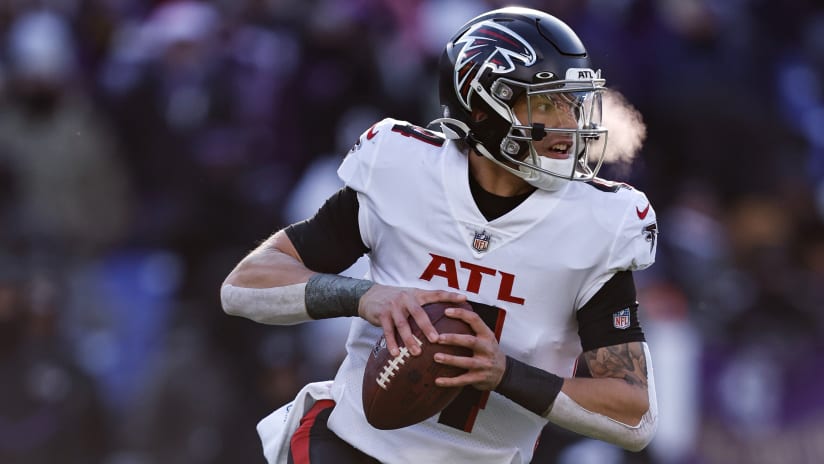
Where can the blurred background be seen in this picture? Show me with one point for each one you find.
(145, 147)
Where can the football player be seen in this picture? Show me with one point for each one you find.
(500, 206)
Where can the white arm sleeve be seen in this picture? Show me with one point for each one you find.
(277, 306)
(566, 413)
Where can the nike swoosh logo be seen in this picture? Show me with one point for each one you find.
(642, 213)
(372, 133)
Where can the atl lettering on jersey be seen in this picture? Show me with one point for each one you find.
(442, 267)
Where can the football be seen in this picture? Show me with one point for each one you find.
(401, 391)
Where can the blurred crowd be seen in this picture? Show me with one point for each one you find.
(146, 146)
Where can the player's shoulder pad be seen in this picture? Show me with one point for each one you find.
(610, 186)
(391, 130)
(627, 213)
(387, 145)
(374, 134)
(638, 233)
(612, 200)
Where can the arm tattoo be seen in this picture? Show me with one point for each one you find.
(626, 361)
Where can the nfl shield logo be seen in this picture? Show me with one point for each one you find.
(620, 319)
(481, 241)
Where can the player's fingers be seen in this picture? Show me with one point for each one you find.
(405, 332)
(442, 295)
(458, 381)
(432, 296)
(470, 317)
(464, 362)
(464, 340)
(422, 319)
(389, 335)
(479, 372)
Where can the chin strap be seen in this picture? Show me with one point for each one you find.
(453, 129)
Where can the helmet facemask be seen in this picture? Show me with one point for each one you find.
(561, 137)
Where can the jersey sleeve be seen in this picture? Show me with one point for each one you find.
(356, 169)
(632, 222)
(333, 239)
(636, 238)
(610, 317)
(330, 240)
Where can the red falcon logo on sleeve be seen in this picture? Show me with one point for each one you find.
(488, 44)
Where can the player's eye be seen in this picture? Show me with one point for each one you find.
(544, 104)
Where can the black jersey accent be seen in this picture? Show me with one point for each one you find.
(493, 206)
(330, 241)
(610, 317)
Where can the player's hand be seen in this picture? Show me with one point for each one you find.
(485, 368)
(389, 307)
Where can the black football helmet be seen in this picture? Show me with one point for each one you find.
(517, 60)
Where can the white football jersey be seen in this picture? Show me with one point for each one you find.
(539, 262)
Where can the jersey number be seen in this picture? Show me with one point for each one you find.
(461, 412)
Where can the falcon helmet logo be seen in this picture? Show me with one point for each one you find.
(650, 234)
(621, 319)
(488, 44)
(481, 241)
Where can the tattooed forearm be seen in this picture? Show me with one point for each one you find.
(625, 362)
